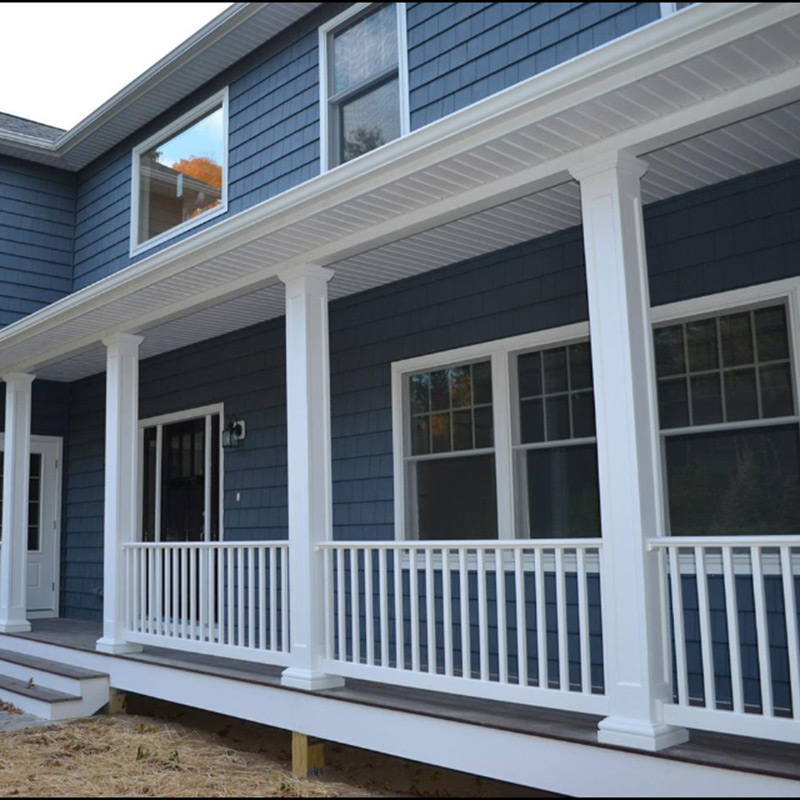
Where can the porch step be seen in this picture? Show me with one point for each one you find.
(49, 689)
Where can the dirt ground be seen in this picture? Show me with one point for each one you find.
(165, 750)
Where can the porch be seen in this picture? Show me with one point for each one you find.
(643, 635)
(496, 739)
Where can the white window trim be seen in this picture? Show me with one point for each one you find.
(136, 247)
(785, 292)
(181, 416)
(501, 353)
(324, 68)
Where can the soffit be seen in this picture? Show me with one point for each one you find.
(495, 182)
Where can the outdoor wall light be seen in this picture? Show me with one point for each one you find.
(233, 432)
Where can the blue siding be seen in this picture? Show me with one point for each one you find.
(459, 53)
(273, 140)
(533, 286)
(245, 371)
(37, 206)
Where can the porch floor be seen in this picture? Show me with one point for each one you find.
(722, 751)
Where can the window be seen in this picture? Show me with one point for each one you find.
(182, 477)
(729, 424)
(556, 449)
(180, 175)
(451, 465)
(364, 84)
(498, 440)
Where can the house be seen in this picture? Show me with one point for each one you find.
(304, 422)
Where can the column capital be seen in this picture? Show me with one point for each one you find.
(616, 160)
(305, 272)
(126, 343)
(18, 379)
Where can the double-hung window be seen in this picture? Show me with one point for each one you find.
(555, 445)
(729, 424)
(498, 441)
(180, 175)
(451, 461)
(364, 84)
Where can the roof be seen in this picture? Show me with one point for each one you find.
(229, 37)
(27, 127)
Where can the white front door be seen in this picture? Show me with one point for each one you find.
(43, 523)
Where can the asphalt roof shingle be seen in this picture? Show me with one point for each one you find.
(13, 124)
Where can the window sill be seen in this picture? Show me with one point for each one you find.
(167, 236)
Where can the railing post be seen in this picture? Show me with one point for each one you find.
(309, 462)
(631, 501)
(16, 476)
(121, 467)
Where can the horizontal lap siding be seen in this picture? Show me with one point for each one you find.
(37, 212)
(459, 53)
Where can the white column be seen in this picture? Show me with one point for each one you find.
(16, 477)
(121, 469)
(308, 417)
(631, 499)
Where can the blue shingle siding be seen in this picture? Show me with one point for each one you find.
(273, 146)
(532, 286)
(245, 371)
(459, 53)
(738, 233)
(37, 208)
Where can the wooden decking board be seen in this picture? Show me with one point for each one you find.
(34, 692)
(45, 665)
(721, 751)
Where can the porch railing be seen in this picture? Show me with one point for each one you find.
(221, 598)
(517, 621)
(732, 605)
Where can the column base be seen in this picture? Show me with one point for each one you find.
(639, 735)
(308, 681)
(15, 627)
(116, 648)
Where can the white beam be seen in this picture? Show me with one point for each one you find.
(308, 441)
(631, 501)
(16, 477)
(121, 470)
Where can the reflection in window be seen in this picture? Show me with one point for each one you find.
(556, 455)
(451, 462)
(363, 84)
(181, 178)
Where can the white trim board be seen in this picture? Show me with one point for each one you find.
(539, 762)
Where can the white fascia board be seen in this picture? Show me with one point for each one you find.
(645, 51)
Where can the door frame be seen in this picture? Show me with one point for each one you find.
(58, 442)
(167, 419)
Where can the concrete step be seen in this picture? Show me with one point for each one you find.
(50, 689)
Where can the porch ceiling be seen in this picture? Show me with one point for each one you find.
(707, 95)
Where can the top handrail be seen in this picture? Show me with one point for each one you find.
(466, 544)
(723, 541)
